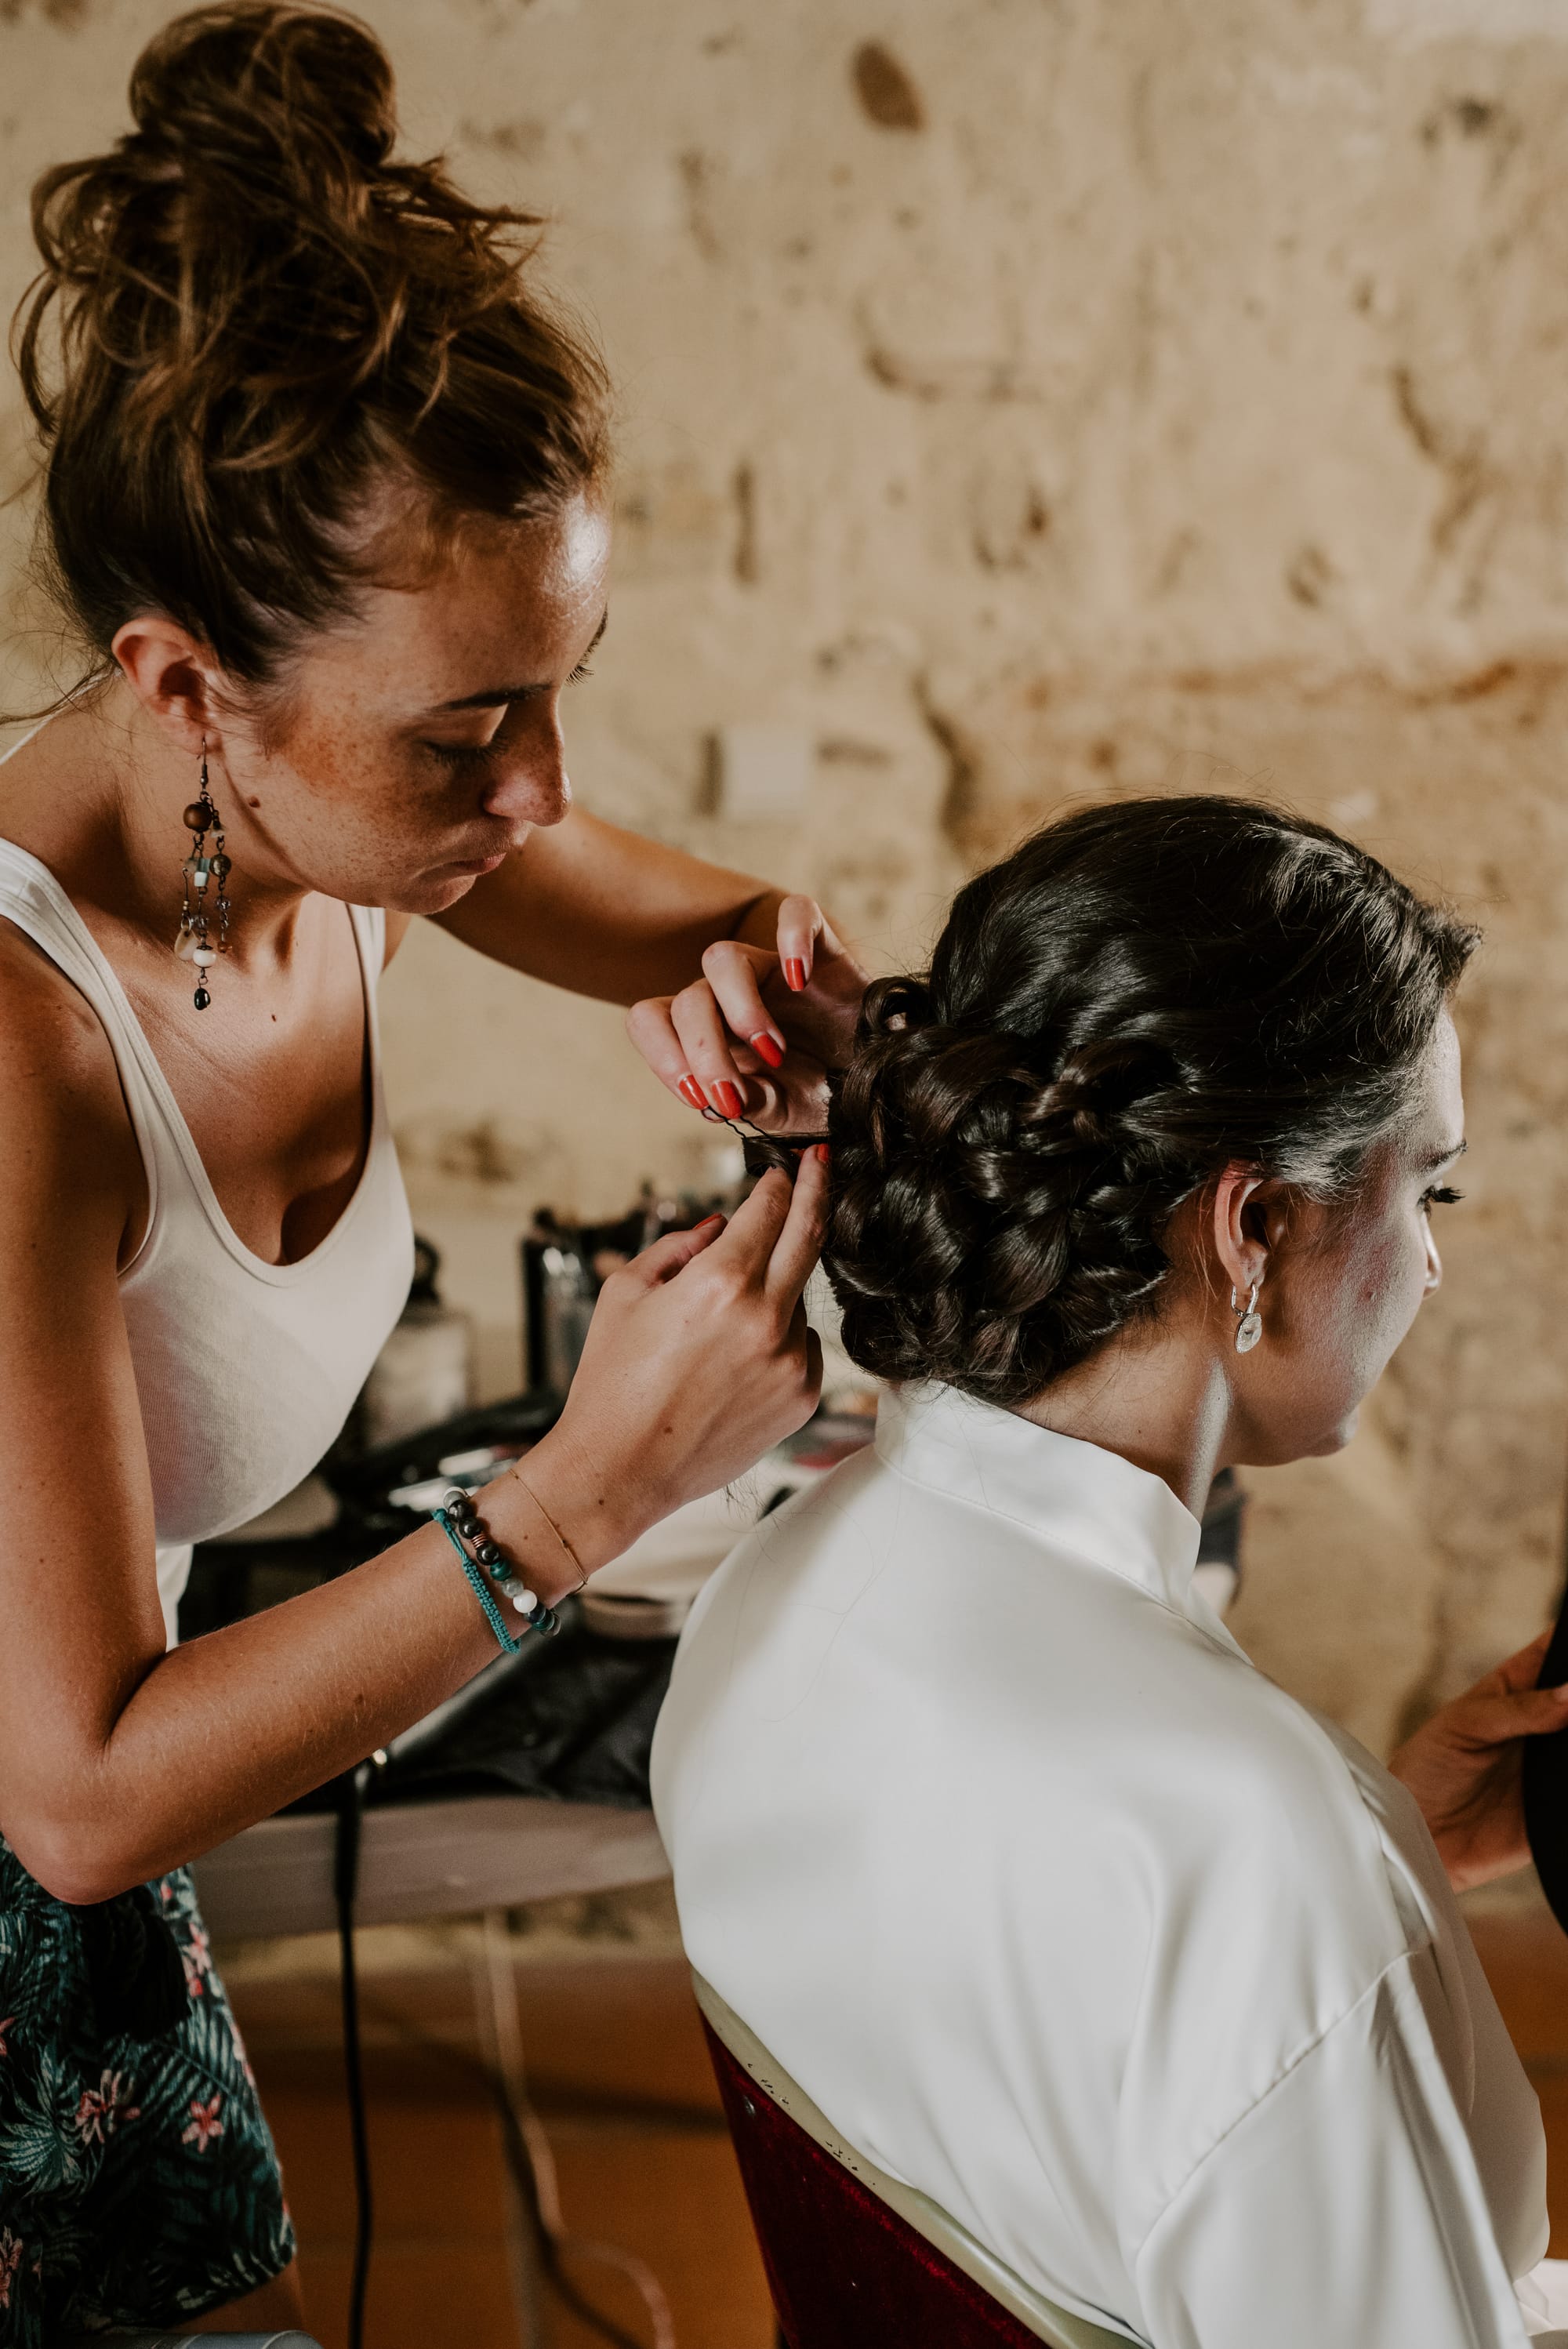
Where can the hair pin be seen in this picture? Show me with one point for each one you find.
(766, 1154)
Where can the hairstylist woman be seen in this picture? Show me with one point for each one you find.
(324, 497)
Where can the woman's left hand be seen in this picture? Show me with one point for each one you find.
(755, 1034)
(1464, 1767)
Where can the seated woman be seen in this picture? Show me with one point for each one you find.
(1060, 1911)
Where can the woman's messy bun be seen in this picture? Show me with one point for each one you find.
(1140, 995)
(251, 320)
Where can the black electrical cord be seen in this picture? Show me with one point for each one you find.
(345, 1885)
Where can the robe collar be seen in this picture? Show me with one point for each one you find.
(1076, 1495)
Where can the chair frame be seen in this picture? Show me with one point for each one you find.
(1055, 2326)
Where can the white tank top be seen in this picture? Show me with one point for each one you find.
(245, 1369)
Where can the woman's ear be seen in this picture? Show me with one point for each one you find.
(1242, 1229)
(174, 679)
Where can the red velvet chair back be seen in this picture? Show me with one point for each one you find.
(845, 2272)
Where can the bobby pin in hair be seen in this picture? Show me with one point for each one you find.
(764, 1152)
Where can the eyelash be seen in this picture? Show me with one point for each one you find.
(1441, 1194)
(463, 754)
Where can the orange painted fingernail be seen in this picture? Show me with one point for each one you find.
(767, 1049)
(690, 1091)
(707, 1223)
(822, 1152)
(795, 973)
(727, 1099)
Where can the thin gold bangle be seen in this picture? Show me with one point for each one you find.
(570, 1553)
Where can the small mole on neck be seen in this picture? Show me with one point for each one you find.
(252, 804)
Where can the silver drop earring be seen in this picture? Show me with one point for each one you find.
(206, 871)
(1250, 1327)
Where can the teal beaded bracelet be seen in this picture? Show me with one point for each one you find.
(476, 1583)
(479, 1555)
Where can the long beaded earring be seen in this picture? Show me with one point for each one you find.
(203, 868)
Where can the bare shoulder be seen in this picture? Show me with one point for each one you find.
(50, 1038)
(68, 1152)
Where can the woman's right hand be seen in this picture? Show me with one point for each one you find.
(699, 1357)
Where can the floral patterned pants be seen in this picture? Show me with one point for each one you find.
(138, 2180)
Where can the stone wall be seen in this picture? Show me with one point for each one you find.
(1028, 400)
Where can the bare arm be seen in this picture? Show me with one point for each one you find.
(606, 913)
(711, 961)
(117, 1761)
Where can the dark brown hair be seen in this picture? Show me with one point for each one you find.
(260, 320)
(1140, 995)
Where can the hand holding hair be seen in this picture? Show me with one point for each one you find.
(698, 1358)
(755, 1036)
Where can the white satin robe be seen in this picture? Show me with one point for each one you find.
(1066, 1916)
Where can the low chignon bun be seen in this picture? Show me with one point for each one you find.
(1138, 997)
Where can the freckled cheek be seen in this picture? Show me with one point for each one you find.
(319, 752)
(354, 773)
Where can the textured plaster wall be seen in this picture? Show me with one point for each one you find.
(1031, 399)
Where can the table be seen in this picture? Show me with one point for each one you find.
(447, 1858)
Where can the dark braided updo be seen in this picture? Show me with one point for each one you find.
(1138, 997)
